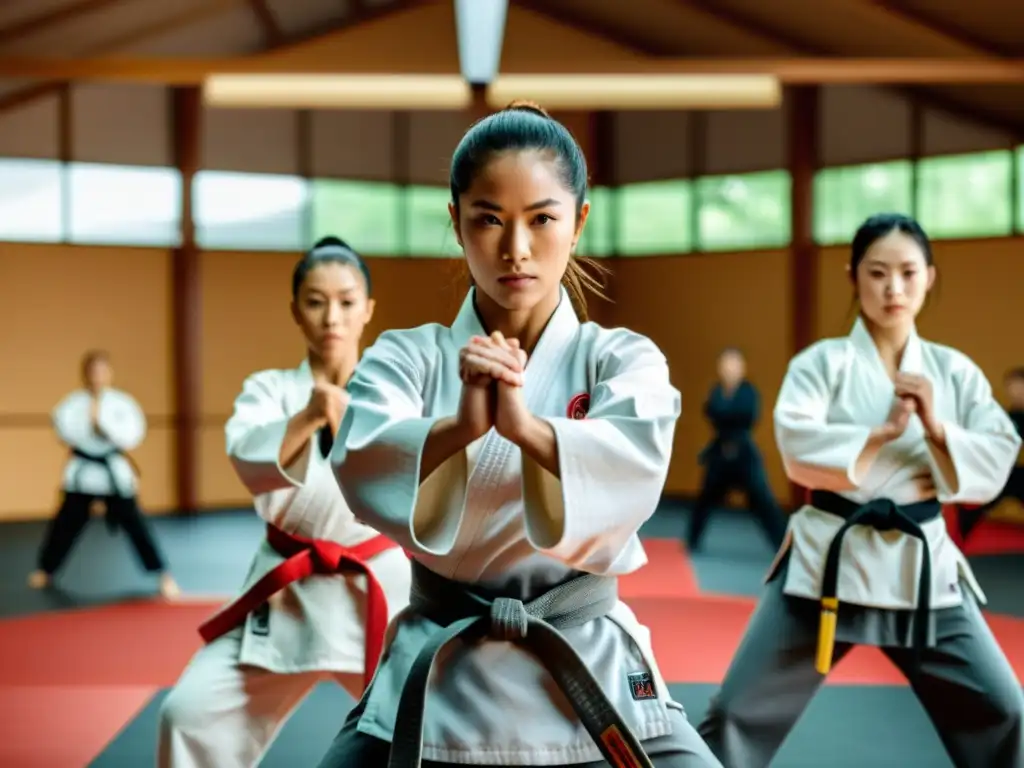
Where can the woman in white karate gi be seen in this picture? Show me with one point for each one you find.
(99, 425)
(515, 454)
(322, 586)
(882, 427)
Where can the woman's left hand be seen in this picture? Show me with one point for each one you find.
(918, 388)
(512, 417)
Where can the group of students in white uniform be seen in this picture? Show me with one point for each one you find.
(448, 513)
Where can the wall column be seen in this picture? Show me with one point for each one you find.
(186, 117)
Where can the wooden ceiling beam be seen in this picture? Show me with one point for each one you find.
(926, 21)
(926, 97)
(151, 31)
(595, 27)
(272, 32)
(52, 84)
(52, 18)
(797, 70)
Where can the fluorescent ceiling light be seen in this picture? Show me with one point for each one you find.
(322, 91)
(643, 91)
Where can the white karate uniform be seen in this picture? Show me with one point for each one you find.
(238, 690)
(489, 515)
(98, 467)
(833, 394)
(124, 426)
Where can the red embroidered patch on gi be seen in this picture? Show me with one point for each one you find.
(641, 686)
(579, 406)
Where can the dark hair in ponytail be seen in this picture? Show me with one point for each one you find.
(522, 126)
(327, 250)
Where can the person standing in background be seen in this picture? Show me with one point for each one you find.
(99, 425)
(732, 460)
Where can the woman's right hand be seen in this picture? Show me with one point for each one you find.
(326, 406)
(899, 416)
(482, 363)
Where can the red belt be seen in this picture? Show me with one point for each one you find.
(305, 558)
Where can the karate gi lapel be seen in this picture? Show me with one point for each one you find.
(298, 386)
(912, 361)
(552, 347)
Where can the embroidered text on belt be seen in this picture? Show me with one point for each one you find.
(306, 557)
(104, 460)
(883, 515)
(532, 626)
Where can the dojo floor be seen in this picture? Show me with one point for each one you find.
(85, 666)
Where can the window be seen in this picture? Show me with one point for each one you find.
(248, 211)
(654, 218)
(745, 211)
(845, 197)
(31, 200)
(965, 195)
(123, 205)
(1018, 225)
(428, 225)
(364, 214)
(598, 235)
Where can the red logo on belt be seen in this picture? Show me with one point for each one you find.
(579, 406)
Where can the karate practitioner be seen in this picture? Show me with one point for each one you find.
(882, 427)
(732, 459)
(1014, 488)
(515, 454)
(322, 586)
(99, 425)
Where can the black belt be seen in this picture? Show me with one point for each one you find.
(882, 515)
(103, 459)
(727, 445)
(465, 613)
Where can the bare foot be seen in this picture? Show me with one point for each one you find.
(39, 579)
(169, 589)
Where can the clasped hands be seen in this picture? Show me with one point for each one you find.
(914, 394)
(94, 418)
(492, 370)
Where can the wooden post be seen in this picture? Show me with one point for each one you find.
(186, 116)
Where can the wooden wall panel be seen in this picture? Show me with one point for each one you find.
(69, 298)
(59, 301)
(693, 307)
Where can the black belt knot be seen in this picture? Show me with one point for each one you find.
(882, 515)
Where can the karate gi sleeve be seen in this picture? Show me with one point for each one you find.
(122, 421)
(612, 464)
(283, 496)
(379, 450)
(982, 444)
(70, 420)
(815, 453)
